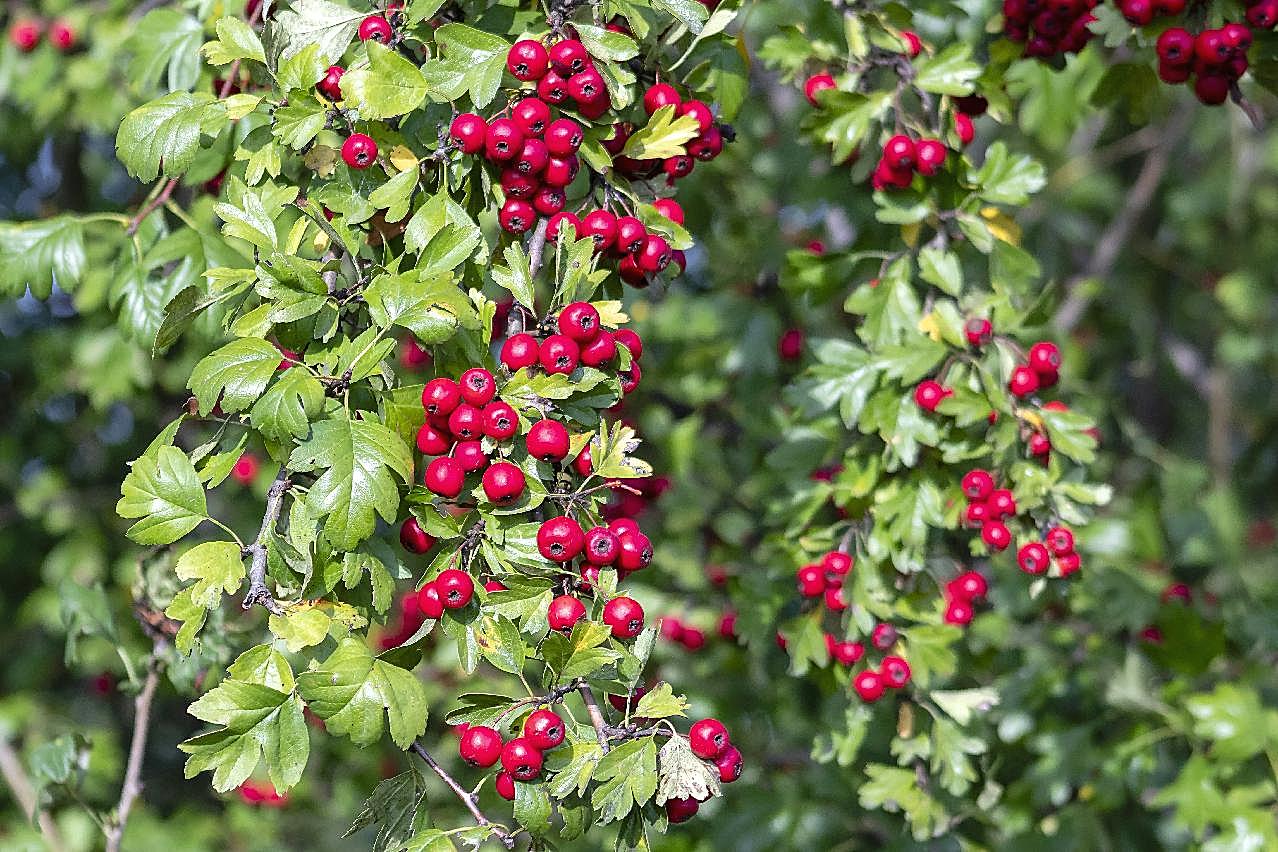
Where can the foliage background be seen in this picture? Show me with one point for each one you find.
(1152, 231)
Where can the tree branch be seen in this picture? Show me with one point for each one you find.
(596, 717)
(537, 246)
(132, 786)
(507, 839)
(257, 592)
(25, 795)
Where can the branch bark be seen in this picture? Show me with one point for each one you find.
(596, 717)
(258, 593)
(507, 839)
(24, 794)
(131, 789)
(537, 247)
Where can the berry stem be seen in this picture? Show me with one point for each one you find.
(507, 839)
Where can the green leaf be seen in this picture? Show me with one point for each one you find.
(606, 44)
(627, 778)
(500, 643)
(396, 807)
(516, 276)
(1233, 719)
(357, 458)
(234, 375)
(532, 808)
(473, 62)
(286, 409)
(1070, 433)
(264, 665)
(301, 627)
(389, 86)
(38, 254)
(1008, 179)
(960, 704)
(950, 72)
(165, 492)
(892, 788)
(235, 40)
(163, 136)
(396, 194)
(688, 12)
(257, 723)
(665, 135)
(942, 269)
(350, 689)
(660, 702)
(326, 25)
(216, 567)
(165, 39)
(297, 124)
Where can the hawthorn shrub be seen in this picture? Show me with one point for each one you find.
(935, 547)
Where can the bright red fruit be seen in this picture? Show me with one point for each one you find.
(544, 729)
(708, 738)
(564, 612)
(868, 685)
(579, 321)
(519, 351)
(624, 616)
(817, 83)
(521, 759)
(548, 441)
(359, 151)
(996, 535)
(375, 28)
(445, 477)
(414, 538)
(560, 539)
(503, 483)
(456, 588)
(480, 746)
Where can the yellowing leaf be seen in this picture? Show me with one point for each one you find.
(402, 158)
(1001, 225)
(663, 136)
(929, 326)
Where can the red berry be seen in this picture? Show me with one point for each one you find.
(521, 759)
(868, 685)
(480, 746)
(560, 171)
(470, 455)
(544, 729)
(1068, 564)
(564, 612)
(503, 483)
(1175, 46)
(330, 87)
(628, 702)
(563, 137)
(681, 810)
(569, 57)
(1044, 357)
(532, 160)
(532, 115)
(477, 386)
(836, 563)
(246, 469)
(582, 463)
(899, 153)
(996, 535)
(466, 422)
(552, 88)
(1039, 445)
(976, 514)
(678, 166)
(599, 351)
(560, 539)
(811, 581)
(601, 226)
(1212, 89)
(519, 351)
(630, 235)
(728, 626)
(1001, 504)
(834, 599)
(503, 141)
(1139, 13)
(1060, 541)
(517, 216)
(579, 321)
(549, 200)
(977, 484)
(729, 765)
(558, 221)
(894, 672)
(708, 738)
(979, 331)
(655, 254)
(635, 551)
(659, 95)
(883, 636)
(527, 60)
(964, 129)
(928, 394)
(440, 397)
(456, 588)
(548, 441)
(1032, 558)
(1024, 381)
(469, 131)
(700, 112)
(376, 28)
(602, 546)
(958, 612)
(429, 601)
(500, 421)
(913, 45)
(25, 35)
(624, 616)
(414, 538)
(559, 354)
(587, 87)
(1210, 47)
(444, 476)
(359, 151)
(631, 341)
(817, 83)
(669, 208)
(847, 653)
(929, 157)
(968, 586)
(505, 786)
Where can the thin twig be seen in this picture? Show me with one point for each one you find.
(537, 247)
(132, 786)
(596, 717)
(507, 839)
(258, 593)
(25, 795)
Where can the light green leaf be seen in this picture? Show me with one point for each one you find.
(351, 688)
(165, 491)
(164, 135)
(389, 86)
(235, 375)
(665, 135)
(473, 62)
(257, 723)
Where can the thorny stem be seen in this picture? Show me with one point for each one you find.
(131, 789)
(507, 839)
(258, 593)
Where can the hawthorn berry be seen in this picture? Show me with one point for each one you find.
(634, 550)
(631, 341)
(1212, 89)
(1044, 357)
(521, 759)
(699, 112)
(1060, 541)
(1002, 504)
(894, 672)
(569, 57)
(495, 586)
(579, 321)
(559, 354)
(564, 612)
(552, 88)
(979, 331)
(583, 464)
(1024, 381)
(549, 200)
(631, 234)
(517, 216)
(847, 653)
(246, 469)
(505, 786)
(503, 483)
(414, 538)
(480, 746)
(834, 598)
(655, 254)
(836, 564)
(811, 581)
(678, 166)
(456, 588)
(815, 84)
(25, 35)
(913, 45)
(516, 184)
(548, 441)
(977, 484)
(976, 514)
(359, 151)
(899, 153)
(624, 616)
(519, 351)
(563, 137)
(1032, 558)
(429, 601)
(1175, 47)
(560, 539)
(477, 386)
(996, 535)
(964, 129)
(928, 394)
(544, 729)
(533, 117)
(600, 226)
(500, 421)
(968, 586)
(729, 764)
(586, 87)
(883, 636)
(790, 344)
(599, 351)
(929, 157)
(958, 612)
(445, 477)
(330, 87)
(728, 626)
(868, 685)
(669, 208)
(681, 810)
(375, 28)
(708, 738)
(602, 546)
(1039, 445)
(466, 422)
(527, 60)
(1068, 564)
(504, 140)
(659, 95)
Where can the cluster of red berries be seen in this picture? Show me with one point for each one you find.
(26, 34)
(1049, 27)
(823, 80)
(1058, 545)
(521, 757)
(961, 594)
(640, 253)
(825, 579)
(1215, 58)
(987, 508)
(707, 145)
(620, 545)
(903, 157)
(1041, 370)
(709, 741)
(893, 671)
(581, 339)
